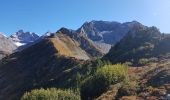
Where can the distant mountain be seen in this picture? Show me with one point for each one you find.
(22, 38)
(6, 46)
(106, 33)
(103, 34)
(142, 42)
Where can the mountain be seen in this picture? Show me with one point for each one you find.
(86, 46)
(52, 61)
(6, 46)
(103, 34)
(22, 38)
(106, 33)
(84, 43)
(68, 47)
(142, 42)
(63, 60)
(44, 58)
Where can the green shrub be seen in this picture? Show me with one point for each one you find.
(128, 89)
(51, 94)
(143, 61)
(112, 73)
(95, 85)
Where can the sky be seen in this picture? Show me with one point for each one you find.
(41, 16)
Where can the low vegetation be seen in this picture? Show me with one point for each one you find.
(51, 94)
(143, 61)
(128, 89)
(91, 80)
(105, 76)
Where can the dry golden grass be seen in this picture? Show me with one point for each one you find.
(68, 47)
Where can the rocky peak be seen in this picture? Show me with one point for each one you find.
(22, 38)
(65, 30)
(107, 33)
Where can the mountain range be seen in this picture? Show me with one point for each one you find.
(101, 35)
(71, 58)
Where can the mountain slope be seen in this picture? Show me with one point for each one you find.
(6, 46)
(50, 62)
(143, 42)
(34, 67)
(84, 43)
(68, 47)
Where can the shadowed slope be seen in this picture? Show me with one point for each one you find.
(34, 67)
(143, 42)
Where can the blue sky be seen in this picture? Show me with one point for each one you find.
(41, 16)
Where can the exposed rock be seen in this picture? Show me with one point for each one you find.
(106, 34)
(22, 38)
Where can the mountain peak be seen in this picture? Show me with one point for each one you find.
(21, 31)
(22, 38)
(65, 30)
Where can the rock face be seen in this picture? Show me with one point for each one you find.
(22, 38)
(105, 33)
(6, 46)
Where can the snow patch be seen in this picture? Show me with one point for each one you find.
(19, 44)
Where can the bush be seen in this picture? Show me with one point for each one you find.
(128, 89)
(112, 73)
(143, 61)
(95, 85)
(51, 94)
